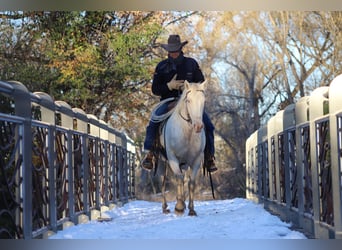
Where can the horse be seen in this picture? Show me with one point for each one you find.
(183, 138)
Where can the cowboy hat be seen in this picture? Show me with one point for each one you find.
(173, 44)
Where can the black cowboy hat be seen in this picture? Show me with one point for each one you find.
(173, 43)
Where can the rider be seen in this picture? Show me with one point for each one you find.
(168, 81)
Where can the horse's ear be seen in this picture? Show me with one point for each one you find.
(204, 84)
(186, 84)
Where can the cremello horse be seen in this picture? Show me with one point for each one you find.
(183, 138)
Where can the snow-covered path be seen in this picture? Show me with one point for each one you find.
(218, 219)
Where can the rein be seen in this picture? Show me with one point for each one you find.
(188, 120)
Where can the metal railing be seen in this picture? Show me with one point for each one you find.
(293, 164)
(56, 163)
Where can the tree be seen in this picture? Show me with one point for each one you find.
(260, 62)
(97, 61)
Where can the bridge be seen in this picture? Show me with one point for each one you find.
(60, 166)
(293, 163)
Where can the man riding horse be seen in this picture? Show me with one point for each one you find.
(168, 81)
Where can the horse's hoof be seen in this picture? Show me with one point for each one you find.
(192, 213)
(166, 211)
(179, 211)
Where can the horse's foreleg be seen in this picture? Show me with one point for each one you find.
(180, 205)
(164, 206)
(192, 211)
(192, 185)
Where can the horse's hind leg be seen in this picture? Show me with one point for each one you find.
(180, 205)
(164, 206)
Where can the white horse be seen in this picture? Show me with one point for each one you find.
(183, 138)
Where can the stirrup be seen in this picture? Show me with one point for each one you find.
(210, 165)
(147, 162)
(212, 169)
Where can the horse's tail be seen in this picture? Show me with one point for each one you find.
(159, 118)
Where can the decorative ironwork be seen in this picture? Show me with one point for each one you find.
(293, 168)
(132, 174)
(249, 170)
(307, 170)
(79, 184)
(102, 171)
(339, 155)
(62, 174)
(263, 169)
(255, 172)
(266, 169)
(118, 171)
(93, 163)
(281, 155)
(273, 169)
(10, 181)
(324, 172)
(40, 178)
(111, 172)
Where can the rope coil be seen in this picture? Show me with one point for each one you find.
(159, 118)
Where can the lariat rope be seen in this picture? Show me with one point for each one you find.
(159, 118)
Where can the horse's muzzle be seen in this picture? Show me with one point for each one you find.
(198, 126)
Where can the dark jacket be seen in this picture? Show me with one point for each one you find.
(186, 68)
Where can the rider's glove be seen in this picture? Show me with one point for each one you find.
(175, 84)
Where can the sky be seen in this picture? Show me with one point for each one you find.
(236, 218)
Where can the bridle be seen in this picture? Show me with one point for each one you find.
(187, 117)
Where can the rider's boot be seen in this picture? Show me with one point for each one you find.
(147, 162)
(210, 164)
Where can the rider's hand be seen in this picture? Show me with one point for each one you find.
(175, 84)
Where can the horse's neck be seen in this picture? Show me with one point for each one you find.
(181, 111)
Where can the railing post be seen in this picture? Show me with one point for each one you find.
(23, 109)
(289, 122)
(316, 110)
(262, 163)
(274, 128)
(47, 109)
(81, 126)
(302, 118)
(291, 175)
(335, 109)
(116, 170)
(105, 182)
(112, 165)
(95, 133)
(85, 163)
(252, 167)
(248, 167)
(68, 123)
(131, 152)
(271, 158)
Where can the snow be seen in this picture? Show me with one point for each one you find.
(216, 219)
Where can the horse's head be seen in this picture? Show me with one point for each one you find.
(194, 98)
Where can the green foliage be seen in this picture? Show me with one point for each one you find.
(90, 59)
